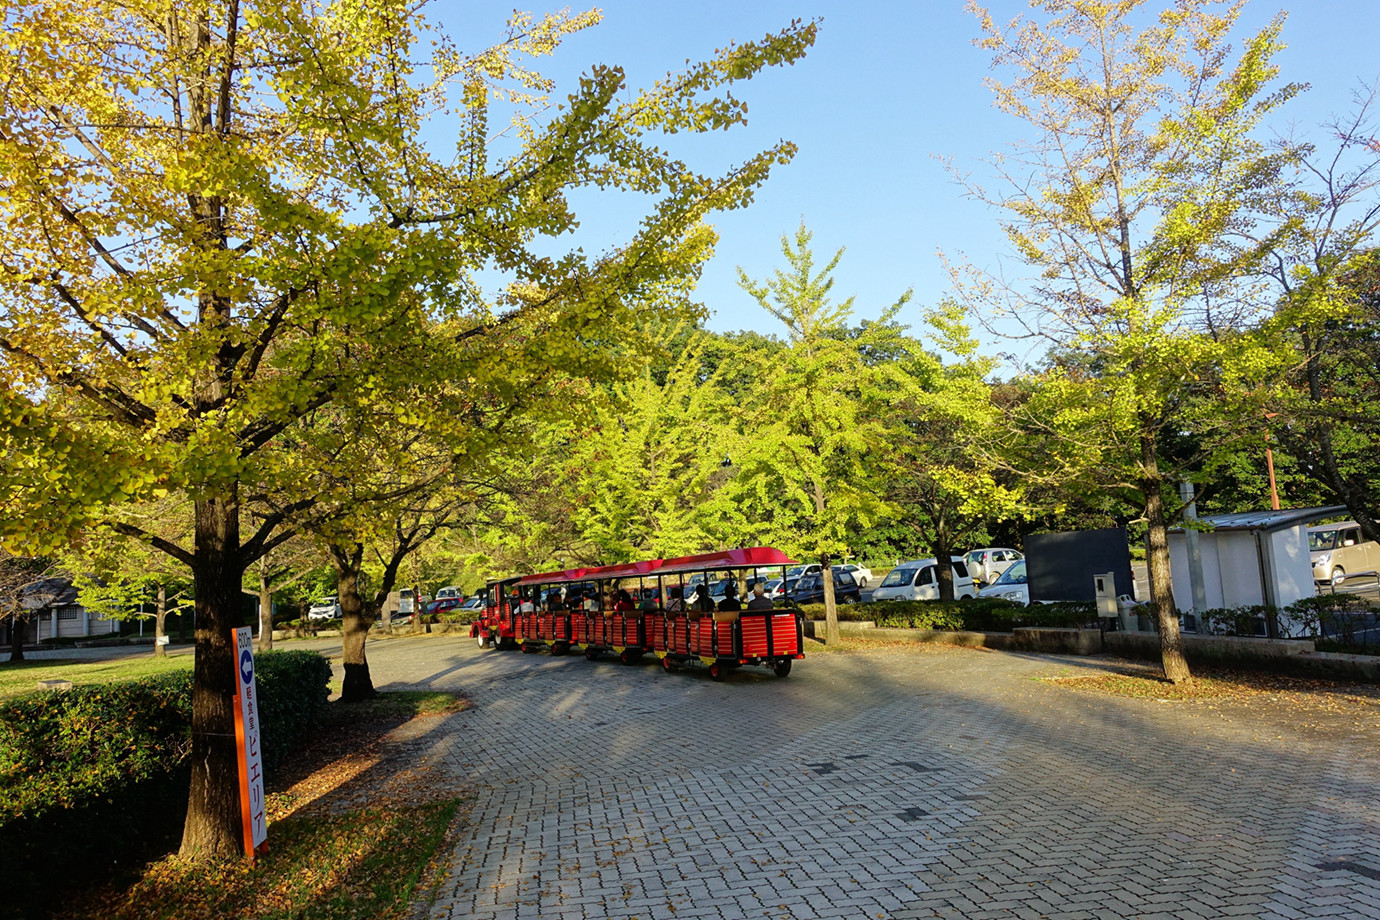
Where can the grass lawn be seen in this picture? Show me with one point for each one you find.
(23, 676)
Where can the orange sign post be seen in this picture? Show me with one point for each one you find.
(247, 742)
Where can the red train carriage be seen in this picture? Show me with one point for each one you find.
(496, 626)
(713, 634)
(664, 606)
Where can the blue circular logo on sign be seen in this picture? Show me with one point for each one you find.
(246, 666)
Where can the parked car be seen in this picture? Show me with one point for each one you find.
(987, 564)
(860, 574)
(328, 608)
(809, 589)
(917, 580)
(449, 591)
(475, 603)
(442, 604)
(1010, 585)
(1337, 550)
(777, 588)
(797, 571)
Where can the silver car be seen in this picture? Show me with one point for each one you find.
(1010, 585)
(987, 564)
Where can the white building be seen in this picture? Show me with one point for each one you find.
(1248, 558)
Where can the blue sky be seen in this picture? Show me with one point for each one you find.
(888, 87)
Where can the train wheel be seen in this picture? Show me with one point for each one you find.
(559, 648)
(716, 671)
(667, 664)
(782, 667)
(590, 654)
(482, 638)
(627, 657)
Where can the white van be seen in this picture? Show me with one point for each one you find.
(918, 580)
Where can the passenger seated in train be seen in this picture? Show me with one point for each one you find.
(729, 606)
(624, 601)
(648, 600)
(675, 605)
(592, 601)
(702, 602)
(760, 601)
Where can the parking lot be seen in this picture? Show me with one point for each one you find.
(910, 783)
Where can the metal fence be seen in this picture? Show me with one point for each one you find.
(1359, 627)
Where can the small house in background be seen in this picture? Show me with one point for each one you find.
(55, 611)
(1248, 558)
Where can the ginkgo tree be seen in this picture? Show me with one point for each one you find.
(219, 216)
(802, 480)
(638, 473)
(1129, 205)
(945, 471)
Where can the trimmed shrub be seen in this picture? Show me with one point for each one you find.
(97, 776)
(1345, 619)
(981, 614)
(1243, 620)
(293, 690)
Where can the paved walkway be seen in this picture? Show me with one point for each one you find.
(918, 783)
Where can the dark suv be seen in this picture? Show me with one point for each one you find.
(809, 589)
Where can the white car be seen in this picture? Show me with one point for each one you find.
(862, 575)
(1010, 586)
(987, 564)
(918, 580)
(474, 603)
(448, 591)
(328, 608)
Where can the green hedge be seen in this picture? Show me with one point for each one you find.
(981, 614)
(96, 777)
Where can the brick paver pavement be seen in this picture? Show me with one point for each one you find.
(923, 783)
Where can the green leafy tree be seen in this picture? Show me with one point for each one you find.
(803, 480)
(945, 454)
(1313, 369)
(220, 217)
(1128, 206)
(639, 472)
(119, 577)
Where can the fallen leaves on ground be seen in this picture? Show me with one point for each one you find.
(814, 646)
(355, 828)
(1144, 681)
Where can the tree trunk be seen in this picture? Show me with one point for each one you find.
(160, 615)
(1157, 558)
(18, 626)
(943, 567)
(213, 827)
(831, 610)
(265, 610)
(357, 684)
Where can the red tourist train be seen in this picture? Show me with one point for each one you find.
(695, 609)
